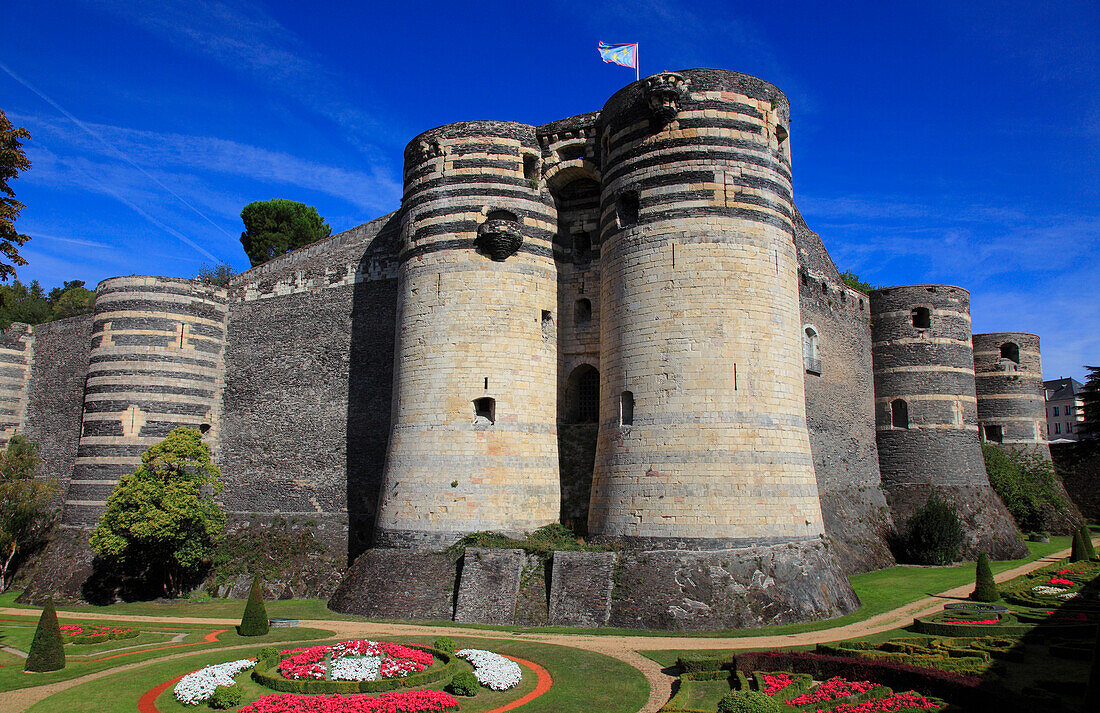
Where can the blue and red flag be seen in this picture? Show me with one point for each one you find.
(623, 54)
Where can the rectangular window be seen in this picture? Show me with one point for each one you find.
(1069, 428)
(1055, 410)
(1057, 428)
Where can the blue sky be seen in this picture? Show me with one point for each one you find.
(933, 142)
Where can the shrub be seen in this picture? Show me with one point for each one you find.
(985, 589)
(748, 702)
(254, 622)
(226, 697)
(1086, 539)
(692, 662)
(1026, 483)
(934, 534)
(445, 644)
(463, 684)
(268, 652)
(47, 649)
(1079, 552)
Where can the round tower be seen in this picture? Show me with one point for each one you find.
(926, 413)
(703, 439)
(473, 443)
(1008, 370)
(156, 363)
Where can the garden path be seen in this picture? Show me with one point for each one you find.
(624, 648)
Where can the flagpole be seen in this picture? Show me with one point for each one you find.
(637, 63)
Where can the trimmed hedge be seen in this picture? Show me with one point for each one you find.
(985, 588)
(226, 697)
(47, 648)
(463, 684)
(110, 636)
(690, 663)
(749, 702)
(255, 621)
(266, 673)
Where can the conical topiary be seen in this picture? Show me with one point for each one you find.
(1079, 552)
(47, 648)
(254, 622)
(985, 588)
(1086, 538)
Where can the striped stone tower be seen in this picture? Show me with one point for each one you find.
(926, 412)
(16, 362)
(156, 364)
(473, 443)
(1011, 401)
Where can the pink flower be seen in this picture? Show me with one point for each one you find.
(836, 687)
(1060, 580)
(775, 682)
(393, 702)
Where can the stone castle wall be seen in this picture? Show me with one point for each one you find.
(16, 363)
(1011, 399)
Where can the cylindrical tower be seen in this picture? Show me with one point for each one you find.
(473, 443)
(926, 412)
(703, 441)
(156, 363)
(1011, 401)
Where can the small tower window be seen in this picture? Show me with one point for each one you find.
(530, 167)
(1010, 351)
(626, 408)
(628, 206)
(485, 411)
(780, 134)
(583, 400)
(582, 311)
(994, 434)
(582, 245)
(810, 356)
(502, 215)
(899, 413)
(203, 428)
(922, 318)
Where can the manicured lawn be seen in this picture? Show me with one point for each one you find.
(700, 695)
(583, 682)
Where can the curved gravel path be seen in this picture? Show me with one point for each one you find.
(624, 648)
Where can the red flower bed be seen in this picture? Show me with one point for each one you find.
(100, 630)
(1066, 571)
(397, 660)
(892, 702)
(775, 682)
(1060, 580)
(395, 702)
(836, 687)
(973, 621)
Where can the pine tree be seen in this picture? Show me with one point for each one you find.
(47, 648)
(985, 588)
(1079, 551)
(254, 622)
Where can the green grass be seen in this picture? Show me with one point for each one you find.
(583, 682)
(700, 695)
(211, 609)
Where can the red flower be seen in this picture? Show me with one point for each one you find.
(393, 702)
(1060, 580)
(835, 687)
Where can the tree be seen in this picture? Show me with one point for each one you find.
(1088, 430)
(278, 226)
(852, 280)
(254, 622)
(217, 275)
(31, 305)
(47, 647)
(1079, 551)
(934, 534)
(161, 520)
(1086, 541)
(985, 587)
(70, 300)
(13, 160)
(26, 512)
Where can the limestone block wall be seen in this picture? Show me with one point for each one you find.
(156, 363)
(840, 408)
(16, 363)
(473, 443)
(926, 412)
(56, 396)
(309, 372)
(699, 322)
(1008, 370)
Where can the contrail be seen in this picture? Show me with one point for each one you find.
(110, 147)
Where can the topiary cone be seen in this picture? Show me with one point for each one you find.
(1086, 539)
(985, 588)
(47, 648)
(254, 622)
(1079, 551)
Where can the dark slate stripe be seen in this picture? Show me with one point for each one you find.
(704, 122)
(140, 340)
(468, 244)
(12, 371)
(711, 157)
(148, 405)
(147, 389)
(164, 289)
(164, 358)
(456, 208)
(113, 450)
(471, 226)
(485, 163)
(443, 183)
(144, 373)
(492, 149)
(749, 214)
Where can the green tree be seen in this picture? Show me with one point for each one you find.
(1088, 430)
(985, 587)
(162, 518)
(278, 226)
(852, 280)
(1086, 541)
(1026, 484)
(70, 300)
(13, 160)
(254, 622)
(934, 534)
(26, 511)
(47, 647)
(30, 304)
(1079, 552)
(218, 275)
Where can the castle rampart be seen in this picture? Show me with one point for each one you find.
(1011, 401)
(926, 412)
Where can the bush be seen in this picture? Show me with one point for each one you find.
(1026, 483)
(268, 652)
(934, 534)
(1086, 539)
(985, 589)
(1079, 552)
(47, 649)
(463, 684)
(445, 644)
(226, 697)
(693, 662)
(748, 702)
(254, 622)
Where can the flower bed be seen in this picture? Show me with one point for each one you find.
(395, 702)
(350, 664)
(492, 670)
(75, 634)
(1055, 584)
(959, 621)
(197, 687)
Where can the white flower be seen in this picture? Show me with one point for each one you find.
(492, 670)
(1069, 595)
(355, 668)
(1047, 591)
(194, 688)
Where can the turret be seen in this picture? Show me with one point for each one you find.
(1011, 401)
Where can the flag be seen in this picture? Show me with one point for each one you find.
(625, 54)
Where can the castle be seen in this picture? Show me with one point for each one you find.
(617, 320)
